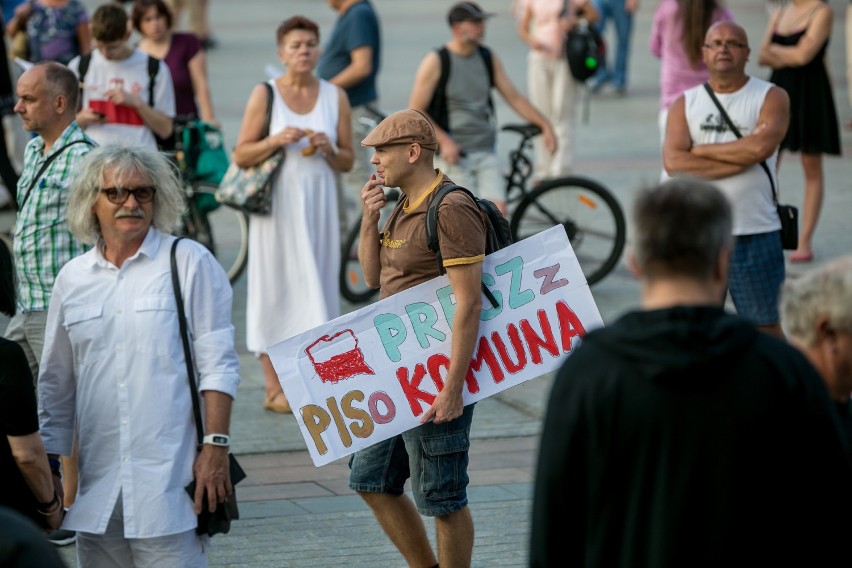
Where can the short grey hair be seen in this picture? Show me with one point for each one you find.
(822, 292)
(681, 228)
(168, 201)
(60, 81)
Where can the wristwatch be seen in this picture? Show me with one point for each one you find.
(217, 440)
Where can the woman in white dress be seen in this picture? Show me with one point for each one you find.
(294, 252)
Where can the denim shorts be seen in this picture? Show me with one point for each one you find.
(434, 456)
(756, 275)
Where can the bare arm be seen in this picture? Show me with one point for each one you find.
(31, 459)
(425, 82)
(521, 105)
(524, 30)
(762, 141)
(212, 474)
(373, 198)
(777, 56)
(201, 87)
(18, 21)
(677, 155)
(359, 68)
(465, 281)
(582, 9)
(157, 121)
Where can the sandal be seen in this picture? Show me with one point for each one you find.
(277, 402)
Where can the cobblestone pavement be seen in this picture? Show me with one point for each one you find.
(293, 514)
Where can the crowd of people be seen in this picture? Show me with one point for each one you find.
(99, 440)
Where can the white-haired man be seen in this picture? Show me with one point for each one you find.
(113, 369)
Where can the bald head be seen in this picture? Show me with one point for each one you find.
(47, 99)
(725, 54)
(729, 27)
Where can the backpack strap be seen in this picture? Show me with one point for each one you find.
(485, 53)
(437, 108)
(432, 231)
(82, 69)
(153, 69)
(489, 63)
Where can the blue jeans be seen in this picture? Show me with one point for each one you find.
(615, 10)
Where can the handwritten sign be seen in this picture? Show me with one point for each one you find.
(371, 374)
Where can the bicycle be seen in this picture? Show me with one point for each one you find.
(589, 212)
(591, 215)
(223, 230)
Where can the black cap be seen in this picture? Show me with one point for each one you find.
(467, 12)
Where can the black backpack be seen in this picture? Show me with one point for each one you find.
(585, 50)
(437, 108)
(497, 233)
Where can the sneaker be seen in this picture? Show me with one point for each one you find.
(61, 537)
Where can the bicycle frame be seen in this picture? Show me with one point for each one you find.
(520, 164)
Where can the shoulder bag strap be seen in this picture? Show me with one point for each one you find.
(44, 166)
(184, 336)
(738, 134)
(268, 108)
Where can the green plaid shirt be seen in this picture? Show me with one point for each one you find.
(43, 243)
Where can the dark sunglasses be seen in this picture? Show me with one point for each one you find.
(119, 195)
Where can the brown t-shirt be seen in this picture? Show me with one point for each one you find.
(404, 255)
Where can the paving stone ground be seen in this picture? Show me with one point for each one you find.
(294, 514)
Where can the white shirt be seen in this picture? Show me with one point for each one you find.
(113, 361)
(749, 192)
(124, 125)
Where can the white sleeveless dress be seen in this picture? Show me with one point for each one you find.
(294, 253)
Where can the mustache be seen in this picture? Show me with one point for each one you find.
(136, 213)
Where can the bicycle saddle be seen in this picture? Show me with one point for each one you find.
(525, 130)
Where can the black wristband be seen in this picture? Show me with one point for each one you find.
(50, 508)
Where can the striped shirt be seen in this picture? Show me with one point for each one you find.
(43, 243)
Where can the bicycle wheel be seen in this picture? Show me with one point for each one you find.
(224, 231)
(352, 284)
(591, 216)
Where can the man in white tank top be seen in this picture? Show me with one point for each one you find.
(700, 143)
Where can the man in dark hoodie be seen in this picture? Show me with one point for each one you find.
(680, 435)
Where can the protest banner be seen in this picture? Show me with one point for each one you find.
(370, 374)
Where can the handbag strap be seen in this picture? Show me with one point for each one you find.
(44, 166)
(269, 100)
(187, 353)
(738, 134)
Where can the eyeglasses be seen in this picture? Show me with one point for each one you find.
(716, 45)
(119, 195)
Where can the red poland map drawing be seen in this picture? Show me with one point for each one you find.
(337, 357)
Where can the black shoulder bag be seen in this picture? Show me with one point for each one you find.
(219, 521)
(788, 214)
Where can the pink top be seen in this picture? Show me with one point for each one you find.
(545, 24)
(676, 75)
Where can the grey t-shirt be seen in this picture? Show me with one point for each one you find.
(471, 119)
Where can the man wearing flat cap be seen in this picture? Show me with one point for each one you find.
(453, 86)
(434, 455)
